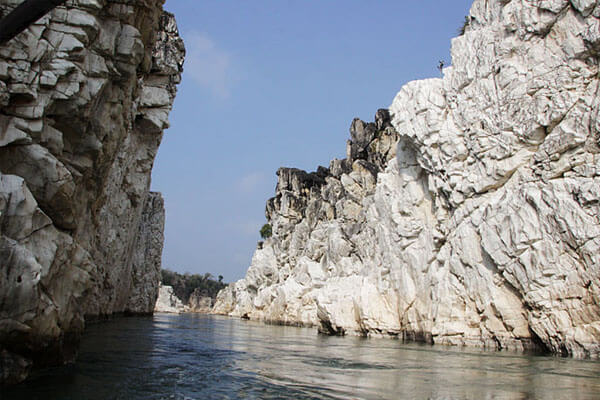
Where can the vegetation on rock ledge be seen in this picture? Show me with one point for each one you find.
(465, 24)
(266, 231)
(185, 284)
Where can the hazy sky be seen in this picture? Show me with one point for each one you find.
(270, 83)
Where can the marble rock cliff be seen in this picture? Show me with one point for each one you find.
(466, 214)
(168, 302)
(85, 94)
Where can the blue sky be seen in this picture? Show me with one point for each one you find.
(276, 83)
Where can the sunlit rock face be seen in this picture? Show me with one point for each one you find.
(85, 94)
(168, 302)
(470, 215)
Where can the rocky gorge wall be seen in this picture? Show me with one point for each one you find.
(85, 94)
(168, 302)
(466, 214)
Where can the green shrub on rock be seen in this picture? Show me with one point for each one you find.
(185, 284)
(266, 231)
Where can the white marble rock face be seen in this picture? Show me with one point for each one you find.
(472, 216)
(167, 302)
(84, 97)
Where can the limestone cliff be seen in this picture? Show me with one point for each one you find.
(467, 214)
(84, 97)
(168, 302)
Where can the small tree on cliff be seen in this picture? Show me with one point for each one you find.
(184, 285)
(266, 231)
(463, 27)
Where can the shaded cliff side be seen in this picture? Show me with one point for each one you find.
(468, 213)
(84, 97)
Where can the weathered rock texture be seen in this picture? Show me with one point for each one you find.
(468, 215)
(147, 252)
(84, 98)
(168, 302)
(198, 303)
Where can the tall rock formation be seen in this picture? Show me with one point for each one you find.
(84, 97)
(469, 214)
(146, 259)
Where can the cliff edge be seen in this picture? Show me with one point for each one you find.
(466, 214)
(85, 94)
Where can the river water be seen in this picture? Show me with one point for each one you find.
(208, 357)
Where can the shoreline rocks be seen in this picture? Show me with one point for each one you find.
(167, 302)
(467, 213)
(199, 303)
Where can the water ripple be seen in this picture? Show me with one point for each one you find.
(185, 357)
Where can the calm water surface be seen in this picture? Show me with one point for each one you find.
(208, 357)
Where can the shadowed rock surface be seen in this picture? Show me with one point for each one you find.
(85, 94)
(468, 213)
(199, 303)
(147, 253)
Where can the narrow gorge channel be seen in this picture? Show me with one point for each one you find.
(456, 247)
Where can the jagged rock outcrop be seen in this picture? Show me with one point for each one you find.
(168, 302)
(84, 97)
(474, 219)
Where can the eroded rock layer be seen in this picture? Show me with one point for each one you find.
(467, 214)
(84, 97)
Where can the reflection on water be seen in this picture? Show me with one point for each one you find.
(207, 357)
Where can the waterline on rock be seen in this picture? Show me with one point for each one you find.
(192, 356)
